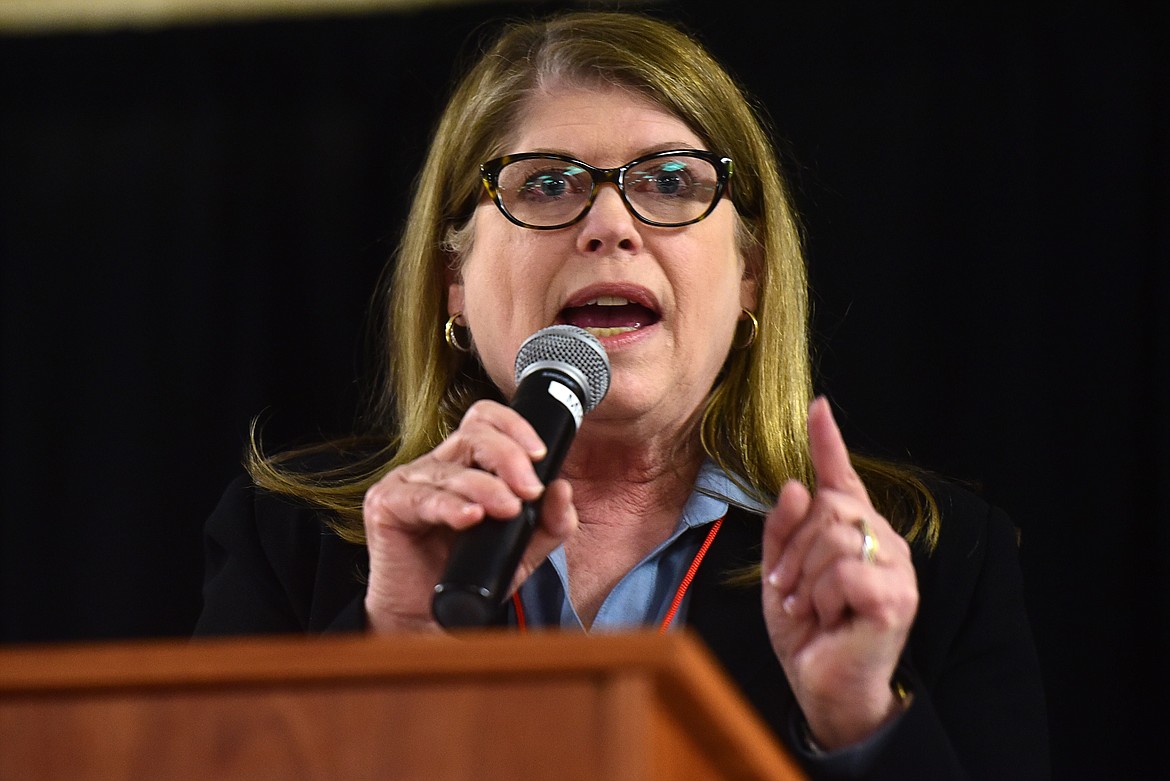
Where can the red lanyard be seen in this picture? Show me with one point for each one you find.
(685, 584)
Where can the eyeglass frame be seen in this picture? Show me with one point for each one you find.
(490, 170)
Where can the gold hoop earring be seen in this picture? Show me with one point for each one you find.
(452, 339)
(752, 333)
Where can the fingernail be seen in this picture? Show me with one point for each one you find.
(789, 604)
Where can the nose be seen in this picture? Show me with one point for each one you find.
(609, 226)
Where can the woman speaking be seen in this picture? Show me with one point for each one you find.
(602, 171)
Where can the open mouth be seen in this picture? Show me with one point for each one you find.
(609, 316)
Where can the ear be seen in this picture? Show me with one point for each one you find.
(454, 282)
(749, 282)
(747, 293)
(454, 298)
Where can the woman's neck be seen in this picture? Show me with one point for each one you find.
(629, 477)
(628, 501)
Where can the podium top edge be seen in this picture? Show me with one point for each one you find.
(256, 660)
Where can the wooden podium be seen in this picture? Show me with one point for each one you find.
(479, 706)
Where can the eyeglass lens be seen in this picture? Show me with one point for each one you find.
(545, 191)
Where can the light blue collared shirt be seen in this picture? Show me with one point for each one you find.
(643, 596)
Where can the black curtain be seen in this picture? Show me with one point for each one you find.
(192, 219)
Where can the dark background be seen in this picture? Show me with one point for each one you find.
(192, 218)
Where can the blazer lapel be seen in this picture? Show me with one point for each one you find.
(730, 618)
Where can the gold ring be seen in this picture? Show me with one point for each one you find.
(869, 542)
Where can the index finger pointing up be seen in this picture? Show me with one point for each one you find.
(830, 457)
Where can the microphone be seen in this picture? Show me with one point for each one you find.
(562, 372)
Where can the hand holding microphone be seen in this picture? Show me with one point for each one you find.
(465, 513)
(562, 372)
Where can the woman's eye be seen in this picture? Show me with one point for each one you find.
(546, 185)
(669, 182)
(667, 179)
(551, 184)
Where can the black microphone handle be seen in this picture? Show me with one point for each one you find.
(484, 558)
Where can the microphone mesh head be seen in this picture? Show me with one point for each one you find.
(568, 344)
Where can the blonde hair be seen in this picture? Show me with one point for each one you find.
(754, 420)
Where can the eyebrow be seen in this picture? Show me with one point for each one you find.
(649, 150)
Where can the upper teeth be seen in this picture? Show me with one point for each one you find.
(608, 301)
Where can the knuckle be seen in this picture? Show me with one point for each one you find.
(373, 497)
(478, 413)
(902, 545)
(425, 504)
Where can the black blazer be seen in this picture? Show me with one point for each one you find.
(978, 710)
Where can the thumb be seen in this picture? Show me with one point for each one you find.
(558, 521)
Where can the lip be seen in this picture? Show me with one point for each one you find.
(630, 291)
(634, 293)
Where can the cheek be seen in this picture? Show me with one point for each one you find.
(713, 280)
(493, 298)
(490, 298)
(484, 282)
(506, 283)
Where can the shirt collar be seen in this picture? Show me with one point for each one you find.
(714, 491)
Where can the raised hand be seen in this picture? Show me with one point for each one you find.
(840, 593)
